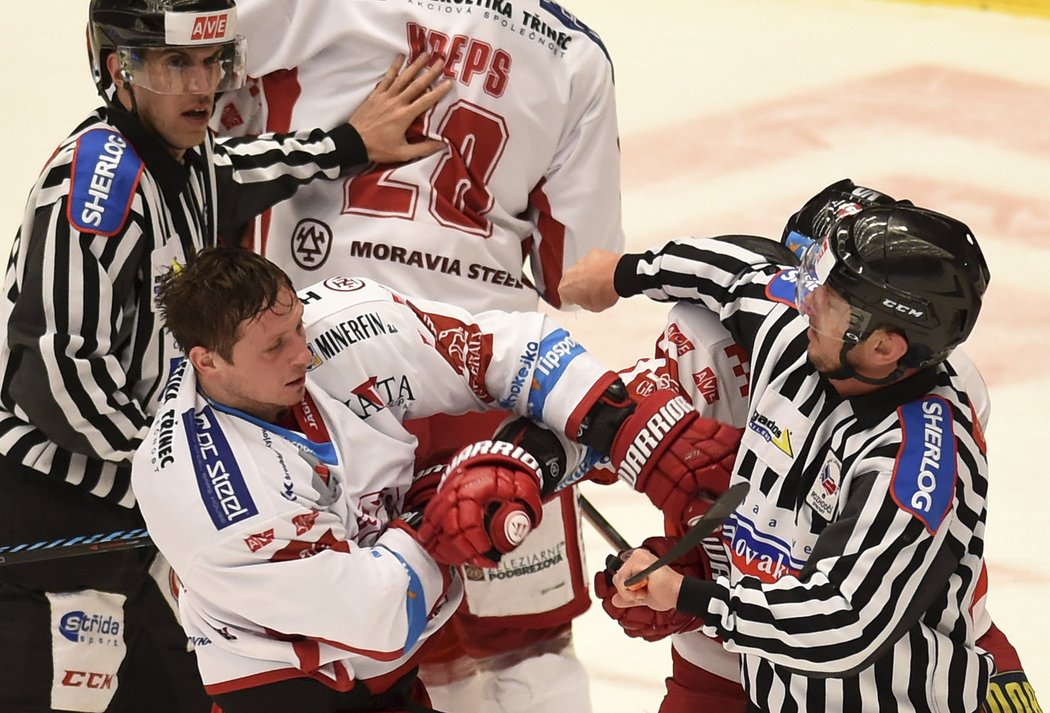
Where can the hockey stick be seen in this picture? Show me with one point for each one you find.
(721, 509)
(603, 526)
(74, 546)
(608, 532)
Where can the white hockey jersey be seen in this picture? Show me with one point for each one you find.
(280, 535)
(375, 349)
(532, 166)
(536, 579)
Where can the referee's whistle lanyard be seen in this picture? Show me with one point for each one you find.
(314, 443)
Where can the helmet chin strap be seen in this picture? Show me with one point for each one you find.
(845, 371)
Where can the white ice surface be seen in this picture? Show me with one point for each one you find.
(731, 115)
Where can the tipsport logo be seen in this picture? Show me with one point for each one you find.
(83, 628)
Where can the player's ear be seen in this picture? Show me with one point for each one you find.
(887, 346)
(204, 361)
(113, 67)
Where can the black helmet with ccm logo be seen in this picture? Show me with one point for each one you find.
(910, 269)
(130, 25)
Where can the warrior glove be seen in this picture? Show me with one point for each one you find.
(663, 448)
(487, 502)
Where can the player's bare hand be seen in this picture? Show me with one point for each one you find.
(659, 593)
(589, 283)
(401, 96)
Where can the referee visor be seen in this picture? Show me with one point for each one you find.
(205, 69)
(826, 310)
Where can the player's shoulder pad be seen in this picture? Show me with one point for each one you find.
(334, 293)
(924, 475)
(689, 324)
(342, 311)
(104, 176)
(570, 22)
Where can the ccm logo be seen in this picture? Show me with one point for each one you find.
(209, 27)
(902, 308)
(87, 679)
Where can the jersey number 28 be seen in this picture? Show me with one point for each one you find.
(459, 196)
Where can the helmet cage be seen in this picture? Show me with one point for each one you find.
(152, 24)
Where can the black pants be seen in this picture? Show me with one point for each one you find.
(305, 695)
(157, 673)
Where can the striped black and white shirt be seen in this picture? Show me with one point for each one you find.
(855, 558)
(82, 349)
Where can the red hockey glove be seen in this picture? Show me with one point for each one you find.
(643, 622)
(488, 501)
(423, 488)
(665, 450)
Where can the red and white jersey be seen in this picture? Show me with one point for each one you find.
(697, 356)
(377, 350)
(280, 534)
(531, 169)
(531, 366)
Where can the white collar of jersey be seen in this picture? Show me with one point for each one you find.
(323, 452)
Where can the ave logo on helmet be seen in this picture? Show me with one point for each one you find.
(187, 28)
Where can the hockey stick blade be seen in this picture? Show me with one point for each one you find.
(74, 546)
(715, 516)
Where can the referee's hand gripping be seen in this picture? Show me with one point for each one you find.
(589, 283)
(660, 592)
(645, 622)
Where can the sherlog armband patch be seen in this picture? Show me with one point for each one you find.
(782, 287)
(105, 174)
(926, 469)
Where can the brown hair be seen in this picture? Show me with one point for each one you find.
(204, 303)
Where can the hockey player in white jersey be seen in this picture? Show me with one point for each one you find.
(529, 184)
(309, 578)
(139, 183)
(532, 167)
